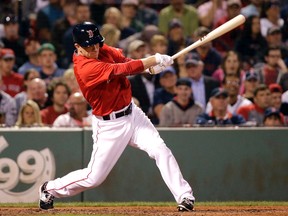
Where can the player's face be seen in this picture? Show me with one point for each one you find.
(89, 52)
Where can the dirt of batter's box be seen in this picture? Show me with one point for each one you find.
(152, 210)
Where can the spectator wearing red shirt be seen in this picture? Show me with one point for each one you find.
(274, 67)
(226, 42)
(13, 82)
(60, 93)
(254, 113)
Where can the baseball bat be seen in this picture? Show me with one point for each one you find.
(224, 28)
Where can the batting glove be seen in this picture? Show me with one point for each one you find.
(163, 60)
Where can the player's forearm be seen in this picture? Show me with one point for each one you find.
(149, 62)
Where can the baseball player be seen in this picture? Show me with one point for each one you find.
(101, 72)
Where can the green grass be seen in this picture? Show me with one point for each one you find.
(103, 204)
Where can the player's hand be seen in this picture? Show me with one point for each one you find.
(163, 60)
(156, 69)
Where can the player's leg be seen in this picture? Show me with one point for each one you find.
(147, 138)
(110, 139)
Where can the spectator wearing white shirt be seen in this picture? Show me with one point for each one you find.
(78, 116)
(231, 84)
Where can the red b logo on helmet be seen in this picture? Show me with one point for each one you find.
(90, 33)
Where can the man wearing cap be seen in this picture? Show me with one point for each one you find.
(13, 82)
(219, 114)
(254, 113)
(182, 110)
(31, 49)
(12, 39)
(250, 84)
(231, 84)
(47, 60)
(276, 94)
(273, 118)
(207, 53)
(274, 38)
(226, 42)
(187, 14)
(8, 113)
(136, 49)
(202, 85)
(166, 92)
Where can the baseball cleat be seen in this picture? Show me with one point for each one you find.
(46, 199)
(186, 205)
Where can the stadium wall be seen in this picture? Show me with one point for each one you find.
(221, 164)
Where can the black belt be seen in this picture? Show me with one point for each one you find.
(119, 114)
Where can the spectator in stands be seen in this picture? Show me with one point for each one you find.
(143, 85)
(231, 84)
(23, 96)
(210, 12)
(270, 16)
(77, 116)
(60, 27)
(31, 49)
(29, 115)
(251, 43)
(274, 38)
(59, 95)
(47, 59)
(231, 65)
(187, 14)
(252, 9)
(129, 10)
(202, 85)
(147, 15)
(137, 49)
(82, 14)
(276, 94)
(254, 113)
(145, 35)
(273, 68)
(176, 37)
(114, 16)
(166, 92)
(207, 53)
(111, 34)
(70, 80)
(7, 108)
(219, 114)
(37, 90)
(250, 84)
(158, 44)
(273, 118)
(97, 10)
(13, 40)
(12, 82)
(182, 110)
(226, 42)
(46, 18)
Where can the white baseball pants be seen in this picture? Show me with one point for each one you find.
(110, 139)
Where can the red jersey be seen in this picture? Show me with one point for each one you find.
(103, 81)
(13, 84)
(49, 115)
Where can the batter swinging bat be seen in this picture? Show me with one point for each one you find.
(224, 28)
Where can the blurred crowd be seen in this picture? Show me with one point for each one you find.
(238, 79)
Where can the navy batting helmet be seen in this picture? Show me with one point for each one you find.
(87, 34)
